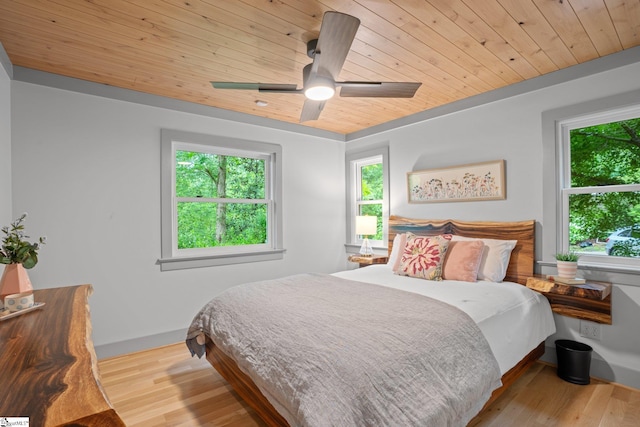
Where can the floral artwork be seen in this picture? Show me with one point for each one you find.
(423, 256)
(479, 181)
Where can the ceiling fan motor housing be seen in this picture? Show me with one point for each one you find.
(306, 71)
(311, 48)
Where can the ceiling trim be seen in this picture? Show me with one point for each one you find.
(57, 81)
(599, 65)
(6, 62)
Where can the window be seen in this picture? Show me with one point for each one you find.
(220, 201)
(367, 186)
(600, 186)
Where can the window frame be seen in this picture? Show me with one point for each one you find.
(555, 232)
(566, 190)
(173, 258)
(355, 160)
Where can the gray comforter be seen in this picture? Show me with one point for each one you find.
(327, 351)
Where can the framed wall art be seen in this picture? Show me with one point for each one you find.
(477, 181)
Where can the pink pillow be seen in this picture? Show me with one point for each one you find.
(463, 261)
(422, 257)
(495, 258)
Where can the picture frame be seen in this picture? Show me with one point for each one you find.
(470, 182)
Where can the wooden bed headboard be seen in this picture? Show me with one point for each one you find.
(522, 257)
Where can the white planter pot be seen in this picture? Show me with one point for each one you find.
(567, 269)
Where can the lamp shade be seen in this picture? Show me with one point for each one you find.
(366, 225)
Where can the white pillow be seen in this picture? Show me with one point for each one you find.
(398, 246)
(495, 258)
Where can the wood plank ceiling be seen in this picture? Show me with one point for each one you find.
(173, 48)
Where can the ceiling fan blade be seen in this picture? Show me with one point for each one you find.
(263, 87)
(334, 42)
(292, 89)
(378, 89)
(311, 110)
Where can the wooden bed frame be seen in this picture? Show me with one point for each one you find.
(520, 267)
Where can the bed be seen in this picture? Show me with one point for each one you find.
(496, 331)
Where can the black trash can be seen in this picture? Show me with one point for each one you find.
(574, 361)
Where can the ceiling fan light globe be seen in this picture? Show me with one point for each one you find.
(319, 93)
(320, 89)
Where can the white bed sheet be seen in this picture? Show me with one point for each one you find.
(513, 318)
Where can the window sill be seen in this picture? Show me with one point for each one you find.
(169, 264)
(617, 274)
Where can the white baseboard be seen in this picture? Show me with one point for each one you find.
(602, 370)
(138, 344)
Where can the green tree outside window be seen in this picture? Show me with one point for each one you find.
(220, 200)
(371, 187)
(602, 156)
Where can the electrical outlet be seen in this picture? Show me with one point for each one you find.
(590, 330)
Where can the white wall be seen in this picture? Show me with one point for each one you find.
(511, 129)
(87, 170)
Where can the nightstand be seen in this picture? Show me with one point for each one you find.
(589, 301)
(364, 261)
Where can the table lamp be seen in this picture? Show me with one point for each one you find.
(366, 226)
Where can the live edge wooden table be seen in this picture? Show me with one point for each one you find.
(588, 301)
(48, 366)
(364, 261)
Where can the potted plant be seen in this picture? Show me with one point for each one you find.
(18, 254)
(567, 263)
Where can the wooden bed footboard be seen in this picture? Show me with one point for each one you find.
(250, 393)
(244, 386)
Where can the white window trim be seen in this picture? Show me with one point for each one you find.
(554, 207)
(564, 128)
(352, 160)
(171, 258)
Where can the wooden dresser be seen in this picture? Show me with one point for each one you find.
(48, 367)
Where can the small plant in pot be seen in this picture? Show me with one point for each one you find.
(16, 249)
(567, 264)
(19, 254)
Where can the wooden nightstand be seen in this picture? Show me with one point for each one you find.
(364, 261)
(588, 301)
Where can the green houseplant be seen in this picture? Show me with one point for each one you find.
(567, 256)
(16, 249)
(567, 264)
(18, 253)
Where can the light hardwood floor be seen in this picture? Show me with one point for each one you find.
(167, 387)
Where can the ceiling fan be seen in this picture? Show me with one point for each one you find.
(329, 52)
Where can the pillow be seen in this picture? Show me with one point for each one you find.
(495, 259)
(462, 261)
(422, 256)
(398, 246)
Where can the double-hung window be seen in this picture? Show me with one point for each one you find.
(220, 201)
(367, 187)
(600, 186)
